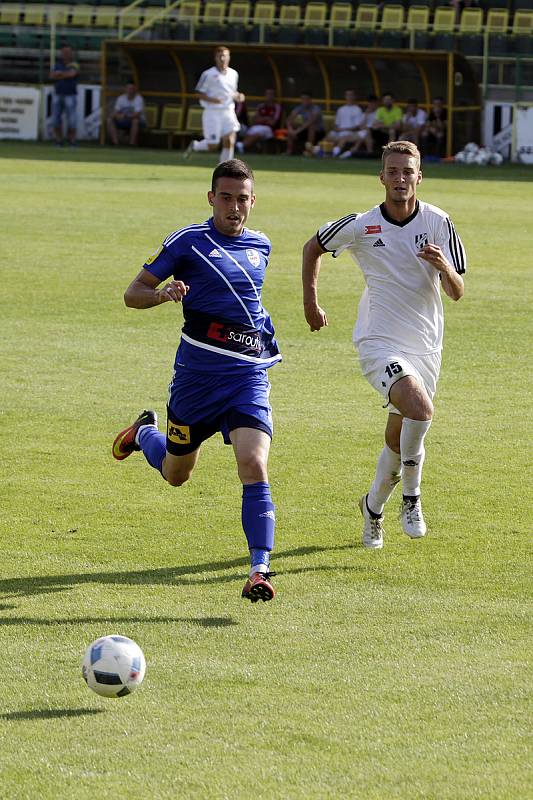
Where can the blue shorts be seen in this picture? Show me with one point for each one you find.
(64, 104)
(124, 124)
(202, 404)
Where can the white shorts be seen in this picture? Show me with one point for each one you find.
(383, 365)
(217, 124)
(264, 131)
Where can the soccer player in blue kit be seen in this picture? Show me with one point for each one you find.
(216, 270)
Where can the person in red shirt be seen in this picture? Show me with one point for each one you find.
(265, 121)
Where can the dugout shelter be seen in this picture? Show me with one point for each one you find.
(166, 73)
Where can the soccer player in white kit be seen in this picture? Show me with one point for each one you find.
(218, 92)
(407, 250)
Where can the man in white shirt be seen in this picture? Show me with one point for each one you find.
(218, 92)
(407, 250)
(413, 121)
(128, 115)
(348, 121)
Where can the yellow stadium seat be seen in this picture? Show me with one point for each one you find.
(522, 22)
(471, 20)
(393, 18)
(194, 119)
(444, 20)
(34, 15)
(417, 18)
(289, 16)
(366, 17)
(329, 121)
(497, 20)
(151, 114)
(59, 14)
(264, 13)
(10, 14)
(81, 16)
(188, 10)
(239, 12)
(341, 15)
(105, 17)
(214, 12)
(315, 15)
(131, 18)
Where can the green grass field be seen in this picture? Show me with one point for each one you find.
(403, 673)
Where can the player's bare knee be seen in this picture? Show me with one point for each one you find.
(177, 479)
(252, 469)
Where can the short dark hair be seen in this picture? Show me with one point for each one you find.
(234, 168)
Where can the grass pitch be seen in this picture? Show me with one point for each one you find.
(404, 673)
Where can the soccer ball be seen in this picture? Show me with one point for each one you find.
(460, 157)
(113, 666)
(482, 157)
(496, 159)
(471, 147)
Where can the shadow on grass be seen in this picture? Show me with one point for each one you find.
(49, 713)
(94, 153)
(203, 622)
(26, 587)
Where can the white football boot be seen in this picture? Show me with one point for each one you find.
(412, 518)
(372, 527)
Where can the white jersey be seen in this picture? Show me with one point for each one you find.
(221, 85)
(348, 117)
(401, 303)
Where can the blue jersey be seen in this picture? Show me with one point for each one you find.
(226, 327)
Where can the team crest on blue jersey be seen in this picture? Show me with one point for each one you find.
(253, 257)
(421, 240)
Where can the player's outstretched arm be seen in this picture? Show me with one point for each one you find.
(143, 292)
(452, 283)
(311, 262)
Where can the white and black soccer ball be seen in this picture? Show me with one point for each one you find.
(496, 159)
(460, 157)
(471, 147)
(113, 666)
(482, 157)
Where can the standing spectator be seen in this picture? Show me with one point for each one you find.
(265, 121)
(128, 115)
(65, 74)
(388, 120)
(433, 134)
(348, 121)
(304, 124)
(412, 122)
(365, 134)
(218, 93)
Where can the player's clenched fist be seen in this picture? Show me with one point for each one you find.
(173, 291)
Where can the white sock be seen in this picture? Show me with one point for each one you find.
(226, 153)
(388, 472)
(200, 145)
(412, 452)
(336, 150)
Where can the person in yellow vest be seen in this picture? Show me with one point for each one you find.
(388, 120)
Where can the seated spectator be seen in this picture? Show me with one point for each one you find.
(433, 134)
(265, 121)
(412, 122)
(128, 115)
(388, 120)
(304, 124)
(348, 120)
(365, 135)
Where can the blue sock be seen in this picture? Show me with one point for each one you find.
(258, 522)
(153, 444)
